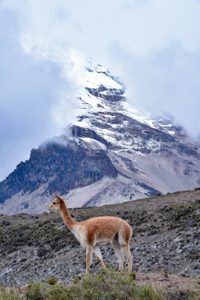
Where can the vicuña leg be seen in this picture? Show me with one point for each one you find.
(119, 253)
(97, 252)
(127, 253)
(89, 251)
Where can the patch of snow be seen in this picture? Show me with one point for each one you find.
(101, 69)
(94, 80)
(82, 123)
(171, 132)
(139, 115)
(93, 144)
(88, 98)
(153, 145)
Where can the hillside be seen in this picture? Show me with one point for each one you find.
(166, 239)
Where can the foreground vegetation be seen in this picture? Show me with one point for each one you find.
(107, 285)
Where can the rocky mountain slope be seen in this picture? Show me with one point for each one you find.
(115, 153)
(166, 239)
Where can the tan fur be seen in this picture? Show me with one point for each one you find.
(97, 230)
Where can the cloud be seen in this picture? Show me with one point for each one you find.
(37, 100)
(163, 82)
(90, 26)
(153, 45)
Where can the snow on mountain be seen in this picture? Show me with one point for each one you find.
(116, 153)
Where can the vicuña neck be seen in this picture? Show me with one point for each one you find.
(68, 220)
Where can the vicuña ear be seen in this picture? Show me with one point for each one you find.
(58, 197)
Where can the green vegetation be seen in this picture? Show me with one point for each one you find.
(107, 285)
(9, 294)
(52, 280)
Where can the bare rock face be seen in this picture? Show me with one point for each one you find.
(61, 166)
(115, 153)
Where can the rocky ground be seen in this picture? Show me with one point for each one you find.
(166, 239)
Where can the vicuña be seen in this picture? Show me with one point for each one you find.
(90, 233)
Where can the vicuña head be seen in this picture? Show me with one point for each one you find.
(56, 203)
(90, 233)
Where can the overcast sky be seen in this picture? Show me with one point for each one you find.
(152, 45)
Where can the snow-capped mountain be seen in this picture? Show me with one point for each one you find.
(115, 154)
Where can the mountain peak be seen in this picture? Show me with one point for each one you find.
(116, 153)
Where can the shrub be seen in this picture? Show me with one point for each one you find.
(35, 291)
(106, 285)
(51, 280)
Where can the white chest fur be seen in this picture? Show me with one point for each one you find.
(80, 234)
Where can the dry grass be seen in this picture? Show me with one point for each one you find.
(110, 285)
